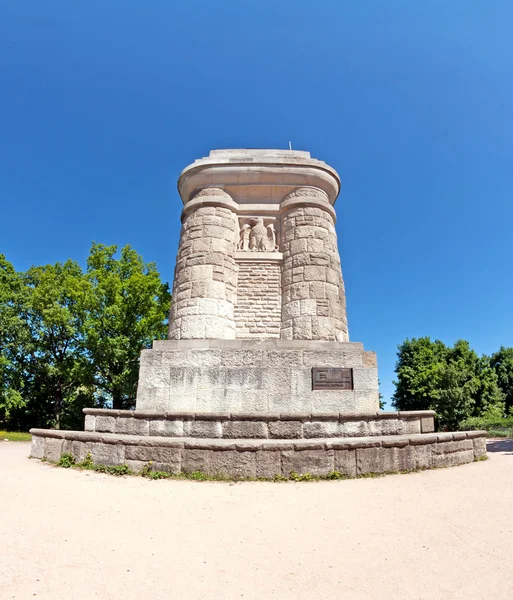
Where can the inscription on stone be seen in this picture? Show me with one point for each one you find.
(325, 378)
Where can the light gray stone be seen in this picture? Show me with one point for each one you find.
(53, 449)
(479, 447)
(166, 428)
(268, 464)
(384, 460)
(285, 429)
(37, 449)
(89, 422)
(314, 462)
(195, 459)
(345, 462)
(105, 424)
(206, 429)
(233, 463)
(245, 429)
(108, 454)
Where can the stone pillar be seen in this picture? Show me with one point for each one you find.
(204, 288)
(313, 296)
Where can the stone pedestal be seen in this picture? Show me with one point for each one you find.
(253, 377)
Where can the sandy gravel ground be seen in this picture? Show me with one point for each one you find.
(78, 535)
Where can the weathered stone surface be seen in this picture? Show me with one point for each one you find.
(263, 457)
(422, 456)
(108, 454)
(244, 429)
(89, 423)
(285, 429)
(132, 426)
(321, 429)
(427, 425)
(315, 462)
(233, 463)
(451, 459)
(166, 428)
(206, 429)
(268, 464)
(345, 462)
(196, 460)
(383, 460)
(479, 447)
(53, 449)
(37, 449)
(105, 424)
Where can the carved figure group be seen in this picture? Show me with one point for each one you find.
(256, 237)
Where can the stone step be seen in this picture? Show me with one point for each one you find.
(258, 425)
(265, 458)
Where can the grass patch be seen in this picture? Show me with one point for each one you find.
(502, 428)
(15, 436)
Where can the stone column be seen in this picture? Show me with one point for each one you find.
(313, 296)
(204, 288)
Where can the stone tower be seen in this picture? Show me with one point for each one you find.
(258, 272)
(258, 256)
(258, 377)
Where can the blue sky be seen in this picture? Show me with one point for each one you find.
(102, 105)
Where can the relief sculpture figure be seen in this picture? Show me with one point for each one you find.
(244, 237)
(258, 236)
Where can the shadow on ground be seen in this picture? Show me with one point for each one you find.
(505, 445)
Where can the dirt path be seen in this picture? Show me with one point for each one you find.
(79, 535)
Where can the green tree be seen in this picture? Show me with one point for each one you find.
(127, 309)
(61, 374)
(453, 381)
(417, 369)
(15, 343)
(502, 363)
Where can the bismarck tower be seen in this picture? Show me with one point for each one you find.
(258, 295)
(258, 377)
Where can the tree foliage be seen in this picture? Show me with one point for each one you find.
(453, 381)
(70, 338)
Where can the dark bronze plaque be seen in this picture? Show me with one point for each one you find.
(327, 378)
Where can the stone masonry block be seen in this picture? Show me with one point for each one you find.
(166, 428)
(451, 459)
(268, 463)
(479, 447)
(108, 454)
(422, 454)
(244, 429)
(410, 426)
(233, 463)
(37, 449)
(448, 447)
(89, 422)
(196, 460)
(345, 462)
(383, 460)
(321, 429)
(53, 449)
(427, 425)
(105, 424)
(365, 379)
(315, 462)
(285, 429)
(132, 426)
(172, 457)
(206, 429)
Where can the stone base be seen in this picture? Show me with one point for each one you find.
(258, 425)
(265, 458)
(253, 376)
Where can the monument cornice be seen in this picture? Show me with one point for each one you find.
(259, 168)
